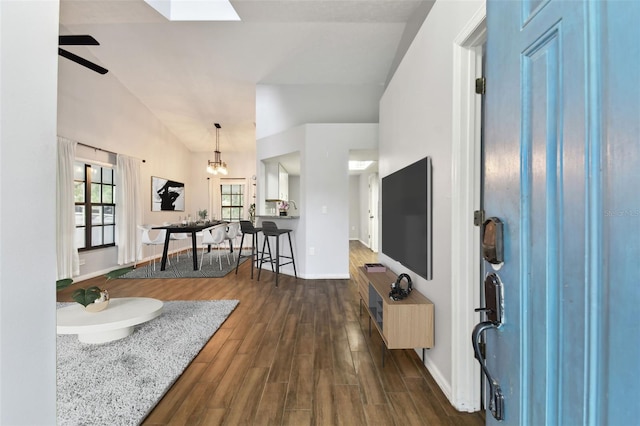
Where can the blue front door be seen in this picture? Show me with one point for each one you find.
(562, 171)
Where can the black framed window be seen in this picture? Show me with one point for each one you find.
(232, 197)
(95, 193)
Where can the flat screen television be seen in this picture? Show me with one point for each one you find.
(406, 217)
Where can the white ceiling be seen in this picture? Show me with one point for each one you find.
(193, 74)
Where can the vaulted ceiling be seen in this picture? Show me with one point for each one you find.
(191, 74)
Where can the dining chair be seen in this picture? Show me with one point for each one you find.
(177, 237)
(233, 232)
(200, 233)
(214, 236)
(153, 242)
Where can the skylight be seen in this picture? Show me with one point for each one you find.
(195, 10)
(358, 166)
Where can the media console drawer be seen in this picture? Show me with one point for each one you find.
(403, 324)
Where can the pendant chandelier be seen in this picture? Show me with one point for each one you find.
(217, 165)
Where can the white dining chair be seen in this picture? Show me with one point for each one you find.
(177, 237)
(232, 233)
(214, 236)
(153, 242)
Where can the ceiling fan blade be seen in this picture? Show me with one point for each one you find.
(77, 40)
(82, 61)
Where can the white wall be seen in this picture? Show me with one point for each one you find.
(325, 189)
(416, 121)
(28, 75)
(294, 194)
(291, 118)
(323, 227)
(282, 107)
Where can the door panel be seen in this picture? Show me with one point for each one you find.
(618, 299)
(561, 147)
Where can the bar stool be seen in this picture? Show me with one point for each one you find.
(270, 229)
(247, 228)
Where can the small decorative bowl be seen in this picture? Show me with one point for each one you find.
(100, 304)
(97, 307)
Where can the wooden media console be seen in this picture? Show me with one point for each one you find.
(402, 324)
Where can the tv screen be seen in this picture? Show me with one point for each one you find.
(406, 217)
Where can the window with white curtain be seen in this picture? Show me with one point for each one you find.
(95, 205)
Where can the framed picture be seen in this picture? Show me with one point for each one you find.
(166, 195)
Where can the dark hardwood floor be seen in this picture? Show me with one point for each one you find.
(298, 354)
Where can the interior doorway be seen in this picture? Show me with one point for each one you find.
(374, 196)
(364, 197)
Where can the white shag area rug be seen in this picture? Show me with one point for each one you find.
(119, 382)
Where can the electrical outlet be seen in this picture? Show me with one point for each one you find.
(82, 261)
(324, 209)
(312, 251)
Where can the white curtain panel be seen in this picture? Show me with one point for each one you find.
(128, 209)
(68, 263)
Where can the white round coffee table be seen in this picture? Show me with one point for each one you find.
(115, 322)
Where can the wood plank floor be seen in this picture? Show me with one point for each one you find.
(298, 354)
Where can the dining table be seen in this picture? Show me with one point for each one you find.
(191, 228)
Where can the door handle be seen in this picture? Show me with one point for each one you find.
(494, 313)
(496, 402)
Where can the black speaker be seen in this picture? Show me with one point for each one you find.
(397, 292)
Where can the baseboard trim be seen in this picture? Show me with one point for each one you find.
(327, 277)
(444, 385)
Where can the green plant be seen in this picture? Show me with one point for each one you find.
(118, 272)
(86, 296)
(202, 214)
(63, 283)
(89, 295)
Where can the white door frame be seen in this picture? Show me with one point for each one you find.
(373, 215)
(465, 251)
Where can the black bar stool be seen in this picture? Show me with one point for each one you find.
(247, 228)
(270, 229)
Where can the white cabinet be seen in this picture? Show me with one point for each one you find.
(283, 183)
(277, 182)
(272, 181)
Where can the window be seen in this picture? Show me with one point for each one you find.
(232, 201)
(95, 206)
